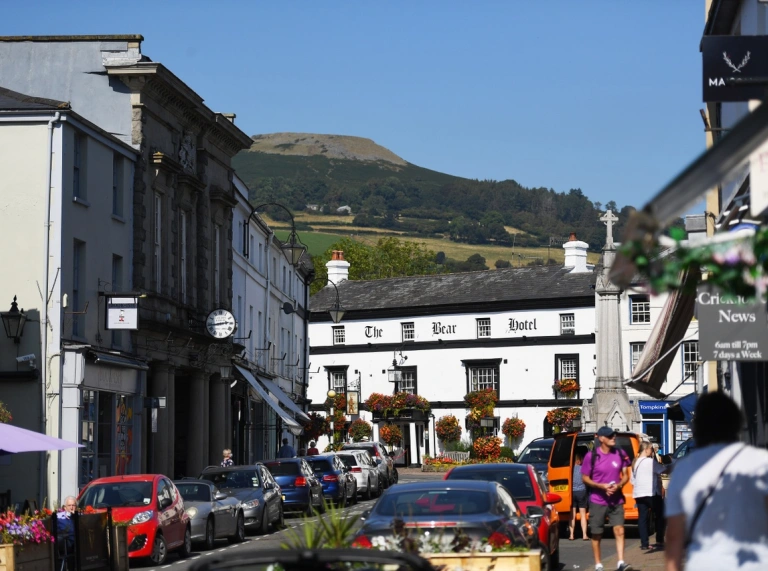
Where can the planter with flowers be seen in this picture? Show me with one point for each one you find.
(568, 388)
(360, 429)
(26, 542)
(513, 429)
(562, 418)
(447, 429)
(390, 434)
(399, 405)
(481, 405)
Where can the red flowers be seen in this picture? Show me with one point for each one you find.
(362, 542)
(391, 434)
(487, 447)
(447, 428)
(481, 403)
(498, 540)
(513, 428)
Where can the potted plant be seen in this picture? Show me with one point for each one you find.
(513, 428)
(566, 387)
(447, 429)
(25, 540)
(487, 448)
(360, 429)
(561, 418)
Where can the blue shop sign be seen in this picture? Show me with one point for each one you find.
(653, 406)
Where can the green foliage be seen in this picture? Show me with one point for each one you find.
(380, 192)
(475, 263)
(390, 257)
(507, 452)
(502, 264)
(458, 446)
(334, 531)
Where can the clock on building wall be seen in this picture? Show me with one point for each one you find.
(220, 323)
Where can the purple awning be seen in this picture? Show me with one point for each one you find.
(14, 440)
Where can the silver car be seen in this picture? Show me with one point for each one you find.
(364, 470)
(212, 513)
(259, 495)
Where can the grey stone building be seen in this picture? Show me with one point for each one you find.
(182, 225)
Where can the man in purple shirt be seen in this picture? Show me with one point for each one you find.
(605, 470)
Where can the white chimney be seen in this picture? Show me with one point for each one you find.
(576, 255)
(338, 268)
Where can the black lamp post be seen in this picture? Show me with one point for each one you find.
(293, 248)
(13, 321)
(336, 310)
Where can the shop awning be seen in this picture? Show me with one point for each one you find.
(118, 360)
(276, 392)
(667, 334)
(293, 426)
(682, 409)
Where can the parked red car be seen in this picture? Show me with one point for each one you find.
(525, 485)
(153, 507)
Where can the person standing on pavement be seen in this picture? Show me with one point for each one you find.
(646, 489)
(227, 461)
(312, 451)
(286, 450)
(605, 471)
(717, 499)
(580, 500)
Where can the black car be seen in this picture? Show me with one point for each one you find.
(537, 454)
(473, 508)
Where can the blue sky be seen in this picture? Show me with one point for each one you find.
(601, 95)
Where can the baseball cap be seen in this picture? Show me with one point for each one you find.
(606, 431)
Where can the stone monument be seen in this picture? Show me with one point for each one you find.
(610, 404)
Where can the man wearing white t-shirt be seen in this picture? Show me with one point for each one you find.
(717, 500)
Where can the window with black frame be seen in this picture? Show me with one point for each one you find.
(407, 383)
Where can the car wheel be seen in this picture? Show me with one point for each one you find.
(384, 482)
(186, 548)
(368, 493)
(264, 527)
(353, 497)
(546, 561)
(210, 534)
(280, 523)
(342, 501)
(395, 476)
(554, 559)
(310, 511)
(239, 529)
(379, 487)
(322, 507)
(159, 550)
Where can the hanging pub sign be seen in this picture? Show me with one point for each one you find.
(735, 68)
(122, 312)
(730, 327)
(353, 402)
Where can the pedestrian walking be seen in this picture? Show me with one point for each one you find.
(647, 489)
(286, 450)
(227, 461)
(717, 498)
(312, 451)
(580, 500)
(605, 471)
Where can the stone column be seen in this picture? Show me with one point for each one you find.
(196, 453)
(218, 420)
(161, 384)
(413, 448)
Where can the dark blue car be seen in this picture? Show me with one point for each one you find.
(302, 490)
(338, 484)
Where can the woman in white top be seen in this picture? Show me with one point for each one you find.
(646, 482)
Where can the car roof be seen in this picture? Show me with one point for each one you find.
(210, 469)
(283, 460)
(324, 456)
(126, 478)
(499, 466)
(195, 481)
(437, 485)
(540, 441)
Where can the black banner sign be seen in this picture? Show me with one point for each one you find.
(740, 58)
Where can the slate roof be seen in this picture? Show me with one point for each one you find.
(13, 101)
(470, 288)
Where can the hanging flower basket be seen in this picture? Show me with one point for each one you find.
(317, 426)
(360, 429)
(397, 405)
(561, 418)
(481, 403)
(391, 434)
(513, 428)
(447, 429)
(566, 387)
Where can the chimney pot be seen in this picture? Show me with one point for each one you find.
(338, 267)
(337, 255)
(572, 237)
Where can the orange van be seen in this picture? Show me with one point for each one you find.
(562, 459)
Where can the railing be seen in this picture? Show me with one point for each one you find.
(457, 456)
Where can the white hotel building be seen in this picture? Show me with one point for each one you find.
(515, 329)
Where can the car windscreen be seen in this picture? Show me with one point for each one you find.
(117, 494)
(233, 479)
(371, 449)
(535, 453)
(283, 468)
(320, 466)
(517, 481)
(194, 492)
(433, 503)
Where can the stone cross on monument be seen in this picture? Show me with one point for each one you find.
(608, 219)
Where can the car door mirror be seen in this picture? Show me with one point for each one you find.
(165, 502)
(219, 496)
(269, 486)
(551, 498)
